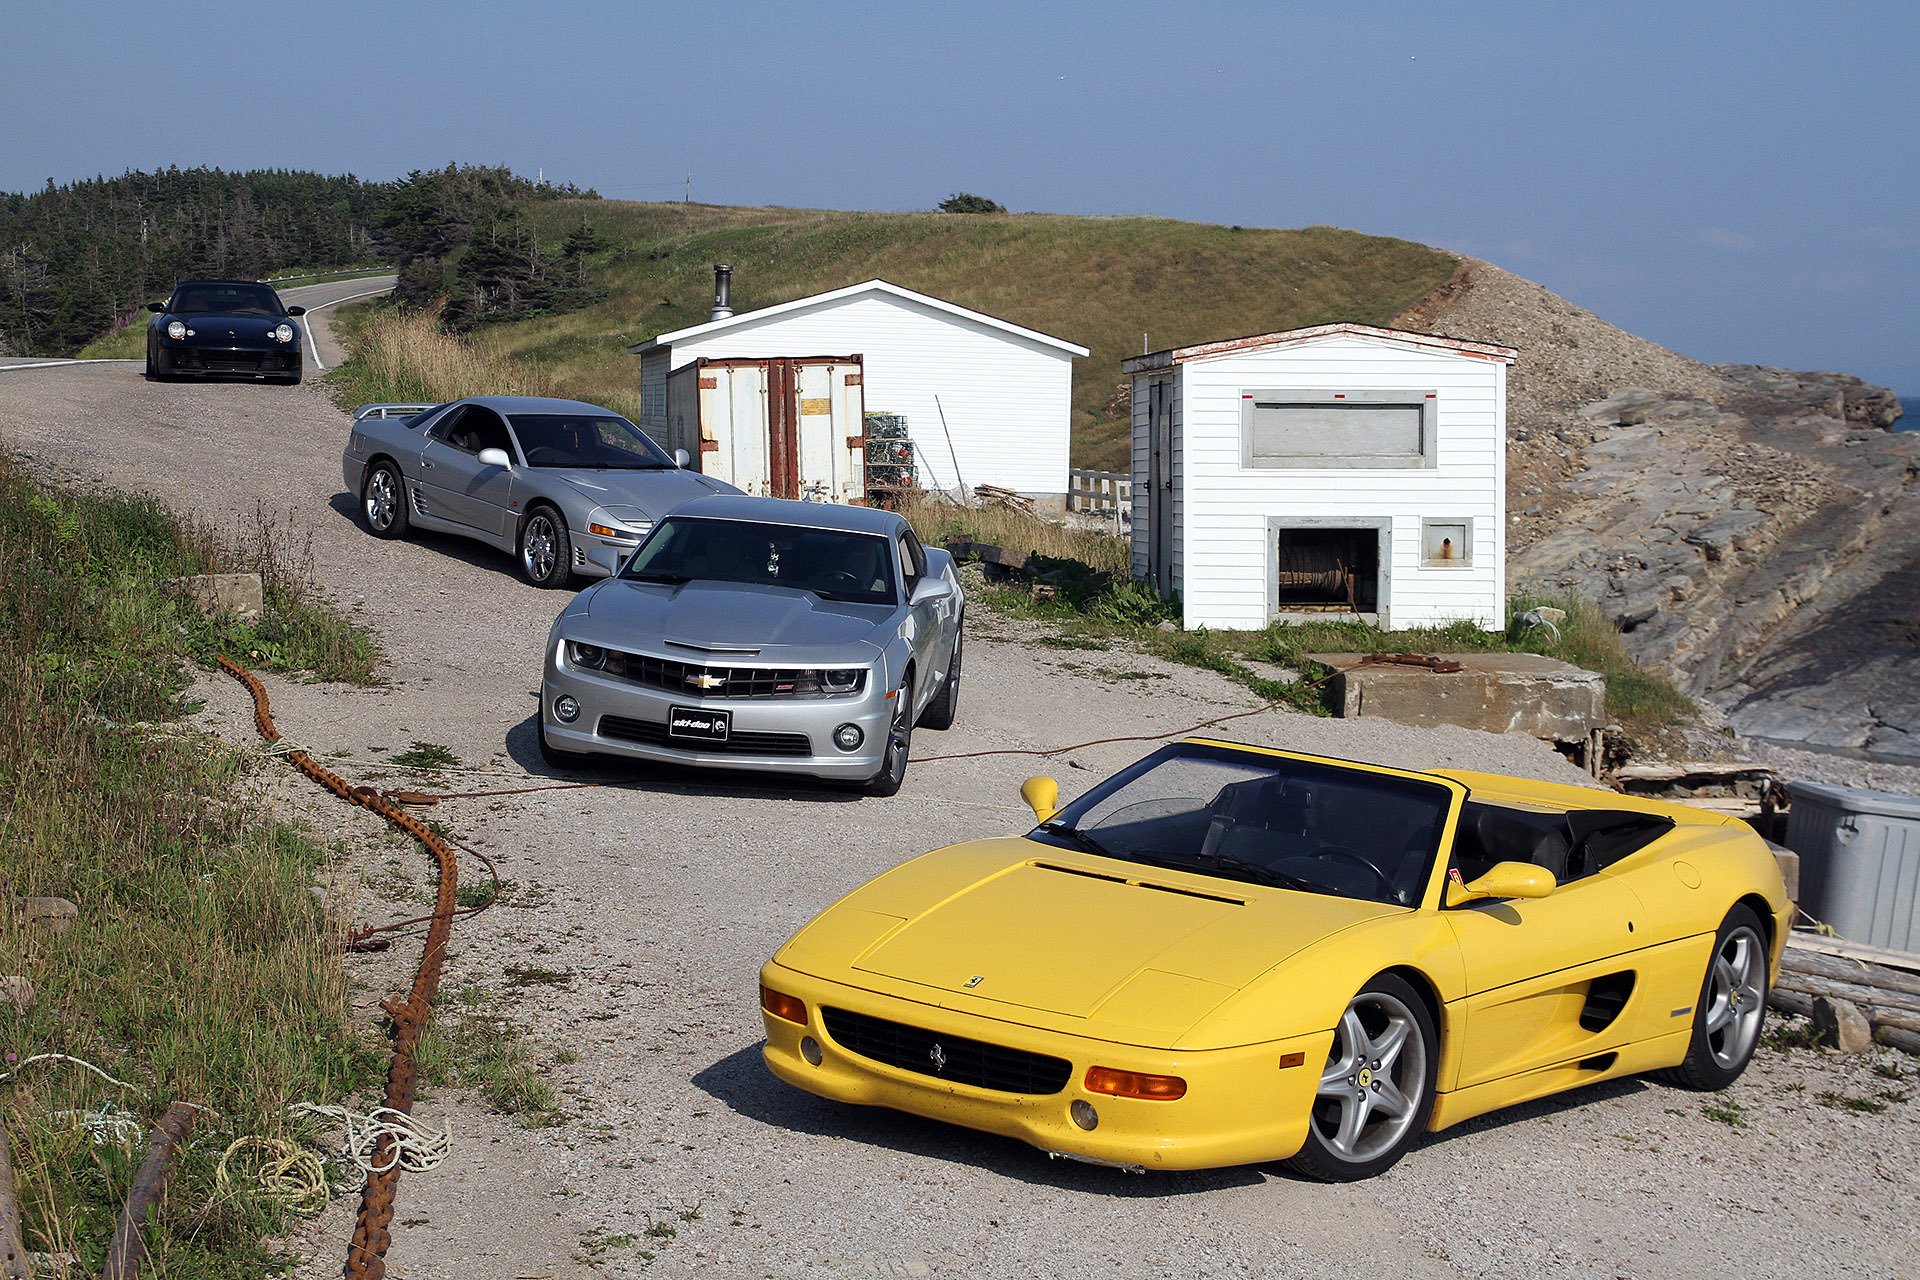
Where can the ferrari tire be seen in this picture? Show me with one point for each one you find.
(546, 552)
(162, 366)
(152, 375)
(383, 501)
(1376, 1090)
(1732, 1005)
(946, 704)
(893, 763)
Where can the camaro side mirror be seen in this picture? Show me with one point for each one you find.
(1042, 795)
(1503, 880)
(296, 311)
(494, 458)
(681, 458)
(158, 308)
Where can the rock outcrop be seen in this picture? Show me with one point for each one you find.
(1754, 531)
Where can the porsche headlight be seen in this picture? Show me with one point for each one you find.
(176, 330)
(283, 334)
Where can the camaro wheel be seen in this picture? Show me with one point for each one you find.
(893, 765)
(940, 712)
(383, 501)
(556, 757)
(1376, 1090)
(1733, 1003)
(545, 549)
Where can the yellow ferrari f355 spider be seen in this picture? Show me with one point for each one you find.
(1226, 954)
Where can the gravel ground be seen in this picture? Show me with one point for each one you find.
(657, 895)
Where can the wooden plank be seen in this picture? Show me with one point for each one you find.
(1855, 950)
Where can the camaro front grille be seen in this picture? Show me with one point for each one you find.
(740, 742)
(929, 1053)
(696, 680)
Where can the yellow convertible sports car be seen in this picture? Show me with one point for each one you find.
(1225, 954)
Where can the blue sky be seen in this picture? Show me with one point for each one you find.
(1738, 181)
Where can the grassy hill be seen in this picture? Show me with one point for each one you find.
(1100, 282)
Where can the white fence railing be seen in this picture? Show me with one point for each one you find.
(1103, 492)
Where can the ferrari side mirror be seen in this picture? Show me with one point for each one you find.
(1042, 795)
(1503, 880)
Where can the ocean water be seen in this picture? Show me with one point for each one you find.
(1910, 420)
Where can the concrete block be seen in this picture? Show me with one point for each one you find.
(1497, 692)
(237, 593)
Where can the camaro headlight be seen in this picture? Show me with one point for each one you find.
(833, 680)
(176, 329)
(283, 334)
(590, 656)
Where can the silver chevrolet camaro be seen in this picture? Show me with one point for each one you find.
(566, 487)
(764, 634)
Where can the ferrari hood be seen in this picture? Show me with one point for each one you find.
(729, 617)
(653, 492)
(1139, 950)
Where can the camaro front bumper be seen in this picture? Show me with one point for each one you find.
(776, 735)
(1241, 1106)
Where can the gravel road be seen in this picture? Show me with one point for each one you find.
(645, 906)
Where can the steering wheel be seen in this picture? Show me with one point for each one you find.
(840, 579)
(1340, 853)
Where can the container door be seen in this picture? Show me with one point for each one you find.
(743, 406)
(822, 445)
(783, 430)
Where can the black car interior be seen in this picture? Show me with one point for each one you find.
(1570, 845)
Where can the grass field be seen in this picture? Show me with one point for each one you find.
(200, 967)
(1110, 284)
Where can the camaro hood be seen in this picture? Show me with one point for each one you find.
(1134, 952)
(729, 617)
(654, 492)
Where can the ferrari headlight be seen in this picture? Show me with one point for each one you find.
(176, 329)
(283, 334)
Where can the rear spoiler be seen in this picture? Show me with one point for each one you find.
(390, 410)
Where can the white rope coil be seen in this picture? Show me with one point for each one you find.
(416, 1148)
(62, 1057)
(111, 1124)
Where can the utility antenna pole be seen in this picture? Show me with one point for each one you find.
(1143, 344)
(688, 197)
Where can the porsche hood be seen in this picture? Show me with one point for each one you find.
(1013, 928)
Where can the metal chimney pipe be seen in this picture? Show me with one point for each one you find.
(722, 292)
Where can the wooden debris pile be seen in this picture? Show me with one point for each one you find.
(1854, 998)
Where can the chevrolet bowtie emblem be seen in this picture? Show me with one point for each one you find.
(702, 680)
(939, 1056)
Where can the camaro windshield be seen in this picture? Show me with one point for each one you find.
(602, 441)
(834, 564)
(1297, 824)
(227, 299)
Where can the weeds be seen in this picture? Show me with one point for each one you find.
(405, 357)
(425, 757)
(1725, 1111)
(1848, 1102)
(488, 1053)
(200, 967)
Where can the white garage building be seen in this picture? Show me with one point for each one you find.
(1340, 470)
(985, 401)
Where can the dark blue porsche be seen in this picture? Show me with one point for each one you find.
(223, 328)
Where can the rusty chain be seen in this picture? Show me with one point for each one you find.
(366, 1253)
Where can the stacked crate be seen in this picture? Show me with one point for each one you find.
(890, 467)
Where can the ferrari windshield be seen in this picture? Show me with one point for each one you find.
(834, 564)
(1313, 826)
(595, 441)
(227, 299)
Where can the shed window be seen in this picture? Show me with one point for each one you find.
(1363, 429)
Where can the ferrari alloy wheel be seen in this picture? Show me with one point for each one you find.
(1732, 1005)
(383, 501)
(946, 704)
(893, 764)
(545, 549)
(1376, 1090)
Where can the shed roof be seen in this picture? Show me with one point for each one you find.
(1300, 337)
(842, 295)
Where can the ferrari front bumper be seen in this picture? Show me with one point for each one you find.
(1243, 1105)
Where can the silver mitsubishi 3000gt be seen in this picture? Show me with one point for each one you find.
(765, 634)
(567, 488)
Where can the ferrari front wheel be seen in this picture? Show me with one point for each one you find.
(1376, 1090)
(1732, 1004)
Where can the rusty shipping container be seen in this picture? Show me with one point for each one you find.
(778, 427)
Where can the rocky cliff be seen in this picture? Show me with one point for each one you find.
(1754, 531)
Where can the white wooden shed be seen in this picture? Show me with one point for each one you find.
(985, 401)
(1341, 470)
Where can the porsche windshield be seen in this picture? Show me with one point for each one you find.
(596, 441)
(227, 299)
(1296, 824)
(834, 564)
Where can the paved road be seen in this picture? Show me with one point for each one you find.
(637, 914)
(323, 351)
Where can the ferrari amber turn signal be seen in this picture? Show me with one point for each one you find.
(780, 1005)
(1134, 1084)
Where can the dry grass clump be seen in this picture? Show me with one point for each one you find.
(936, 520)
(404, 356)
